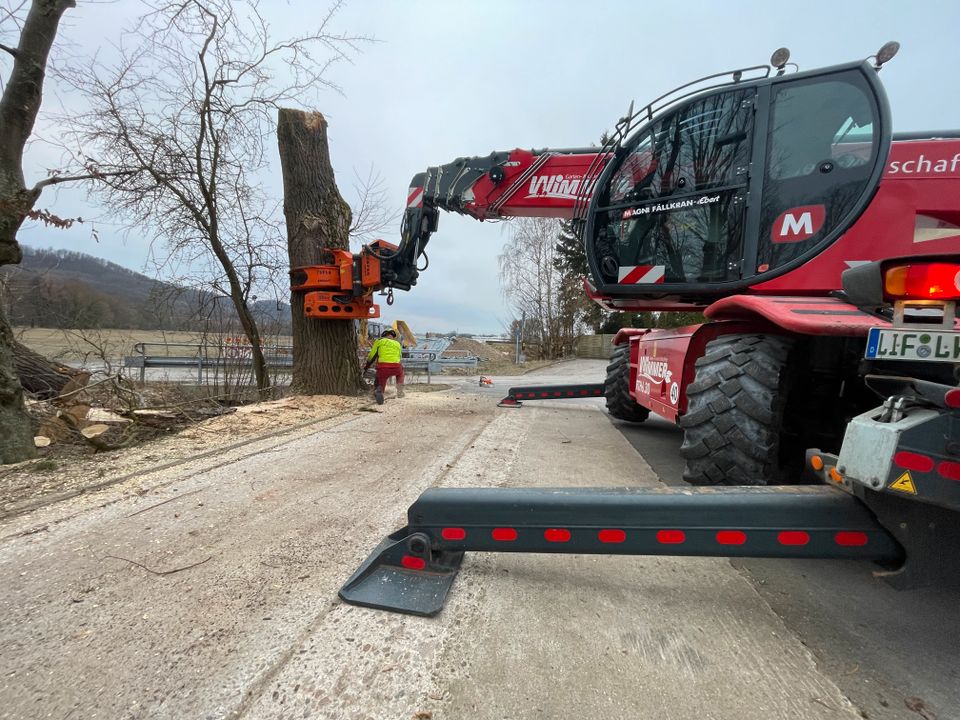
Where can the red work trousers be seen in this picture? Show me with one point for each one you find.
(385, 371)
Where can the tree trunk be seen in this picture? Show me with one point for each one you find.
(325, 352)
(22, 94)
(16, 433)
(39, 376)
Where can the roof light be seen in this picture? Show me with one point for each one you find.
(780, 58)
(886, 53)
(922, 281)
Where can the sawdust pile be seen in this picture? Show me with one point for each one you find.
(467, 347)
(51, 476)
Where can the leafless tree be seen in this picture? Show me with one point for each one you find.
(184, 110)
(536, 287)
(373, 211)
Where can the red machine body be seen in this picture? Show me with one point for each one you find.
(916, 211)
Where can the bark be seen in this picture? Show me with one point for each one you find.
(19, 106)
(38, 375)
(325, 359)
(16, 433)
(18, 112)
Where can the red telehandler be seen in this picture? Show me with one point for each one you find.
(824, 251)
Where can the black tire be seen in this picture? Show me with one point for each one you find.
(616, 388)
(735, 408)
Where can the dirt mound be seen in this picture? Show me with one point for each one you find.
(467, 347)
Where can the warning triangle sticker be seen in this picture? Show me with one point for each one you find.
(904, 483)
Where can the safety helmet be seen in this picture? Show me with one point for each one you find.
(388, 331)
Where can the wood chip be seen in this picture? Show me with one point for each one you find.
(94, 430)
(41, 441)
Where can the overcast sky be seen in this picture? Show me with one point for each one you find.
(465, 77)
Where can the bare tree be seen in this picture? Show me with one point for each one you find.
(373, 211)
(185, 111)
(536, 287)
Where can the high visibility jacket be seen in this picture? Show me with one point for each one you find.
(386, 350)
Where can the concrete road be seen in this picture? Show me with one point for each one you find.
(212, 594)
(888, 651)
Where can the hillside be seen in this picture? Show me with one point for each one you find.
(66, 289)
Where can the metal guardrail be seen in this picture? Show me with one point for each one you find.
(221, 357)
(203, 357)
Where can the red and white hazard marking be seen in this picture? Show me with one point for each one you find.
(415, 197)
(640, 274)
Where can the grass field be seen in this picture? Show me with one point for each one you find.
(89, 345)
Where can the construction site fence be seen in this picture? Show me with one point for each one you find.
(594, 346)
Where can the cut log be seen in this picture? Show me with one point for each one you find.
(41, 377)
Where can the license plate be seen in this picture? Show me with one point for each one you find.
(917, 345)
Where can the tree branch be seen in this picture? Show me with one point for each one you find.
(57, 179)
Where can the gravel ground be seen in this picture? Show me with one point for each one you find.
(208, 589)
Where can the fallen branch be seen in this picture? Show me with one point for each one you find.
(157, 572)
(168, 500)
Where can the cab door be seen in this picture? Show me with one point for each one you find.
(738, 185)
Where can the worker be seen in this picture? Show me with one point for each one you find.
(386, 352)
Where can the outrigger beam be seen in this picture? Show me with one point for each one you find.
(412, 570)
(550, 392)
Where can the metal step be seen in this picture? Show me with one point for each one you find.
(412, 570)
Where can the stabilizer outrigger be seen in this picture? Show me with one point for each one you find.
(412, 570)
(516, 395)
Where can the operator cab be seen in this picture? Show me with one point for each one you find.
(722, 189)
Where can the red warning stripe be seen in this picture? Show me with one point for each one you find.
(642, 274)
(415, 198)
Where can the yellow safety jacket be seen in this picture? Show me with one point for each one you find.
(386, 350)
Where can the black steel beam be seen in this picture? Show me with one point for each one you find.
(412, 570)
(550, 392)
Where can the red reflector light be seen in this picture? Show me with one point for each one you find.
(671, 537)
(556, 535)
(913, 461)
(611, 536)
(949, 470)
(413, 563)
(850, 538)
(793, 537)
(952, 398)
(453, 533)
(506, 534)
(731, 537)
(923, 281)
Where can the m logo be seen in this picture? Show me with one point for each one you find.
(797, 224)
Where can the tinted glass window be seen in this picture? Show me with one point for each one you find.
(682, 240)
(700, 146)
(675, 204)
(821, 150)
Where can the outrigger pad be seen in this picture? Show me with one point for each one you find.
(404, 575)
